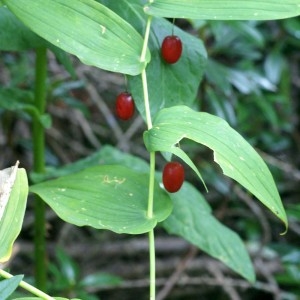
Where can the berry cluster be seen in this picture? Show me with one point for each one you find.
(173, 173)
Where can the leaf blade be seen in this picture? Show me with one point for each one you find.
(224, 10)
(8, 286)
(192, 219)
(109, 197)
(232, 152)
(12, 220)
(87, 29)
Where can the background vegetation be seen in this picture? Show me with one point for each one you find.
(251, 80)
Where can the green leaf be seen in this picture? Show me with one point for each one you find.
(108, 155)
(109, 197)
(67, 267)
(274, 65)
(64, 58)
(192, 219)
(224, 9)
(178, 83)
(14, 35)
(87, 29)
(12, 219)
(232, 152)
(182, 78)
(8, 286)
(100, 279)
(15, 99)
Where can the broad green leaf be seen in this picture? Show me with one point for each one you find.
(179, 82)
(232, 152)
(8, 286)
(192, 219)
(108, 155)
(224, 9)
(12, 219)
(182, 78)
(15, 99)
(109, 197)
(87, 29)
(14, 35)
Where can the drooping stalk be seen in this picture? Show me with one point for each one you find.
(152, 166)
(39, 167)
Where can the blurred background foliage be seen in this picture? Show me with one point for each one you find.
(251, 80)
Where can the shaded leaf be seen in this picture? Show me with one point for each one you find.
(109, 197)
(175, 84)
(100, 279)
(274, 65)
(15, 99)
(224, 9)
(182, 78)
(232, 152)
(192, 219)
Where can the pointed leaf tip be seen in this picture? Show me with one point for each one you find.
(232, 152)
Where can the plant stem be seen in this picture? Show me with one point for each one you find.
(144, 76)
(152, 264)
(151, 233)
(151, 185)
(27, 287)
(39, 167)
(146, 38)
(152, 165)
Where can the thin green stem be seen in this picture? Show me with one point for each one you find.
(152, 164)
(144, 75)
(146, 38)
(151, 186)
(31, 289)
(146, 100)
(39, 167)
(152, 264)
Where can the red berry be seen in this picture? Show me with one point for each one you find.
(171, 49)
(124, 106)
(173, 176)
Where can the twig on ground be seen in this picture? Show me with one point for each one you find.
(171, 282)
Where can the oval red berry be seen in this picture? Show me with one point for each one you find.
(173, 176)
(171, 49)
(124, 106)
